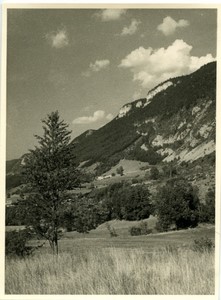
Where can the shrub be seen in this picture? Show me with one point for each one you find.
(143, 168)
(159, 227)
(135, 180)
(16, 243)
(203, 244)
(144, 228)
(141, 229)
(111, 230)
(120, 171)
(135, 231)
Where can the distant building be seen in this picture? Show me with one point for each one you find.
(104, 177)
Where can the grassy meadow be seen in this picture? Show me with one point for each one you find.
(95, 263)
(113, 271)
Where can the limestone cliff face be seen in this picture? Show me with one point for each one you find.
(186, 136)
(177, 117)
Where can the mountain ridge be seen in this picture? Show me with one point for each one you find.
(191, 97)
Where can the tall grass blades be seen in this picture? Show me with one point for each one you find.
(113, 271)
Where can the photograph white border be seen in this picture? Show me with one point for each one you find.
(87, 5)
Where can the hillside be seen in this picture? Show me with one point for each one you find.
(175, 121)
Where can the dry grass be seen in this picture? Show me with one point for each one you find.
(113, 271)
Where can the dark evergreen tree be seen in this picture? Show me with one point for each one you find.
(50, 171)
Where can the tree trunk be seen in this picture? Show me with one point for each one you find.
(51, 242)
(56, 242)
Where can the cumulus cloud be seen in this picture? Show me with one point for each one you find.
(110, 14)
(58, 39)
(97, 116)
(131, 29)
(152, 66)
(96, 67)
(169, 25)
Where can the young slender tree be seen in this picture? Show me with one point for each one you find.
(50, 171)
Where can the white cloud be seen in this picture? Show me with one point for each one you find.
(58, 39)
(99, 65)
(110, 14)
(131, 29)
(152, 66)
(169, 25)
(97, 116)
(96, 67)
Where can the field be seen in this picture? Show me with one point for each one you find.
(98, 264)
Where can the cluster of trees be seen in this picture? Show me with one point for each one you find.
(177, 204)
(83, 214)
(169, 170)
(123, 201)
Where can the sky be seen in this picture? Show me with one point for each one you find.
(88, 63)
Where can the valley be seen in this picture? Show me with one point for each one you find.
(145, 190)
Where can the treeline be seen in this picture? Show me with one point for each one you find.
(176, 205)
